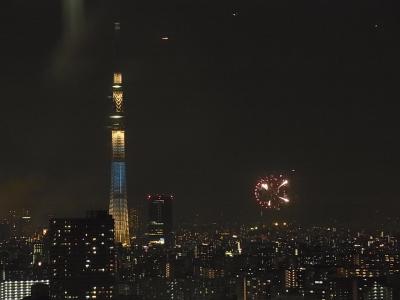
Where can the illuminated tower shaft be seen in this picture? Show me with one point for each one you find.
(118, 196)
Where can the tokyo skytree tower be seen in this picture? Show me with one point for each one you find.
(118, 197)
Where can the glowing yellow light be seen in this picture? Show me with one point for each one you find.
(265, 186)
(118, 144)
(117, 78)
(229, 253)
(118, 98)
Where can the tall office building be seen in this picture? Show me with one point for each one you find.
(18, 289)
(82, 257)
(160, 218)
(343, 289)
(378, 291)
(134, 219)
(118, 197)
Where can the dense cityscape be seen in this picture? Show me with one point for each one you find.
(76, 258)
(145, 248)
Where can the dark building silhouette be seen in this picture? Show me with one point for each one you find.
(160, 218)
(344, 288)
(4, 232)
(134, 221)
(17, 225)
(82, 257)
(39, 291)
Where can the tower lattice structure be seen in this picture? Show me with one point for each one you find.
(118, 195)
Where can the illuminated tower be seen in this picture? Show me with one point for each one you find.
(118, 197)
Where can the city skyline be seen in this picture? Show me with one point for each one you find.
(222, 150)
(236, 92)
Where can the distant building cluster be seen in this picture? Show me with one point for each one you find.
(23, 269)
(78, 258)
(267, 262)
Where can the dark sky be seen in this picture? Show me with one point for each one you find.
(310, 85)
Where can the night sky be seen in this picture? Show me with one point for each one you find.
(310, 85)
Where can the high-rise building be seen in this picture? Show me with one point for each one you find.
(118, 196)
(82, 257)
(291, 280)
(38, 252)
(5, 231)
(16, 290)
(344, 288)
(39, 291)
(294, 278)
(378, 291)
(160, 218)
(134, 219)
